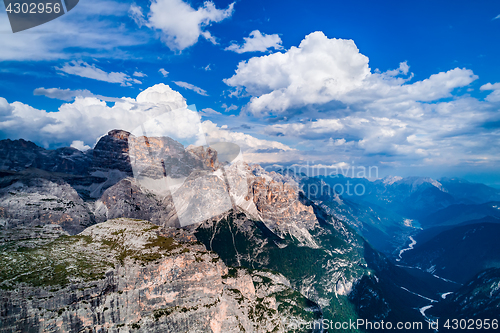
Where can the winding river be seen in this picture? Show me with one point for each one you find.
(410, 247)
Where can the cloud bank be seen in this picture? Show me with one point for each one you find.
(85, 119)
(324, 92)
(321, 70)
(80, 123)
(70, 36)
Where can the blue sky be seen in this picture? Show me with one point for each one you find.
(409, 87)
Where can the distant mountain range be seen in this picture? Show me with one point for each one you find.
(396, 206)
(416, 197)
(462, 213)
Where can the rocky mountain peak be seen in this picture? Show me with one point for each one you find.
(20, 143)
(389, 180)
(111, 152)
(119, 134)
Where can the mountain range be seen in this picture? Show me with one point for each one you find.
(144, 234)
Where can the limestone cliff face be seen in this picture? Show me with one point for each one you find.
(208, 156)
(201, 196)
(132, 276)
(280, 208)
(272, 198)
(129, 199)
(157, 157)
(271, 225)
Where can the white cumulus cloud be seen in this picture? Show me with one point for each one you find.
(247, 142)
(464, 130)
(317, 71)
(321, 70)
(323, 96)
(257, 42)
(5, 108)
(80, 145)
(180, 24)
(494, 96)
(229, 108)
(87, 118)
